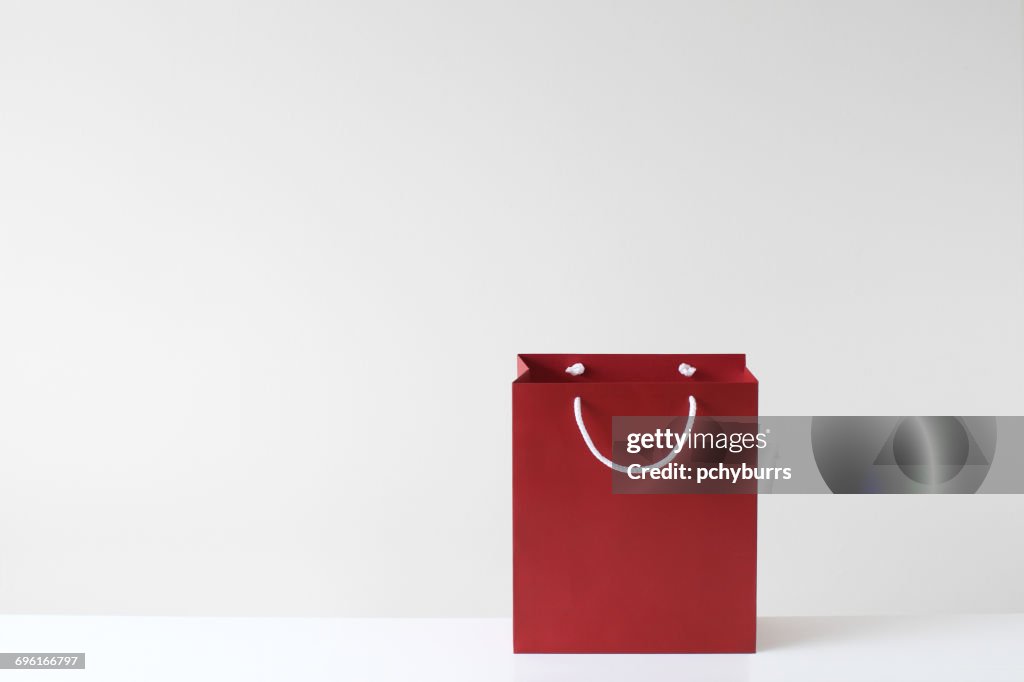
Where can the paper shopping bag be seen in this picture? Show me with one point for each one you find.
(596, 571)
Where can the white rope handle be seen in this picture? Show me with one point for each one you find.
(577, 410)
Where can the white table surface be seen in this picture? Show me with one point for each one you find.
(959, 648)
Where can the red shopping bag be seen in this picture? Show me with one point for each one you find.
(595, 571)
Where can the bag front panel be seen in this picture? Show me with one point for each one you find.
(595, 571)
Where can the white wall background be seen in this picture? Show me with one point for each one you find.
(265, 267)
